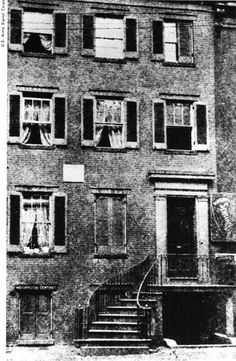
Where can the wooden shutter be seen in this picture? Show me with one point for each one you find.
(14, 221)
(59, 225)
(60, 120)
(15, 29)
(159, 126)
(157, 37)
(88, 111)
(60, 33)
(131, 123)
(131, 41)
(201, 126)
(88, 35)
(14, 117)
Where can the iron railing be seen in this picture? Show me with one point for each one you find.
(108, 294)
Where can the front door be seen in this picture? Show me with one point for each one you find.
(35, 315)
(181, 241)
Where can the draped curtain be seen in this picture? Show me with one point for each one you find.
(35, 223)
(36, 111)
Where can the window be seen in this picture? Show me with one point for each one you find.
(109, 122)
(110, 224)
(37, 119)
(109, 37)
(38, 32)
(37, 222)
(180, 125)
(173, 41)
(35, 316)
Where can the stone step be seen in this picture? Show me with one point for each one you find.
(129, 310)
(112, 350)
(116, 334)
(133, 301)
(148, 295)
(124, 342)
(106, 325)
(117, 317)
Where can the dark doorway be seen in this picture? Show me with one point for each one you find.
(181, 242)
(188, 318)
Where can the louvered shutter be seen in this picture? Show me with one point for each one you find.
(60, 33)
(201, 126)
(131, 41)
(14, 117)
(131, 123)
(60, 118)
(15, 29)
(88, 35)
(159, 125)
(14, 221)
(88, 108)
(157, 37)
(59, 222)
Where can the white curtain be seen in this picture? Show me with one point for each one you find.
(36, 214)
(115, 136)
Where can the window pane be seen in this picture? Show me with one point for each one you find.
(170, 52)
(170, 114)
(45, 111)
(186, 114)
(185, 39)
(178, 114)
(109, 40)
(35, 22)
(170, 32)
(37, 110)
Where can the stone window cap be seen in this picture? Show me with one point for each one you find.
(35, 287)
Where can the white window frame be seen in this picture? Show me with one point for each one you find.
(52, 247)
(179, 58)
(193, 124)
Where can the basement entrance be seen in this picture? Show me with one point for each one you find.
(189, 317)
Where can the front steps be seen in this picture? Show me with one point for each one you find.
(115, 331)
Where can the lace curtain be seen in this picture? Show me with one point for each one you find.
(35, 223)
(36, 111)
(109, 122)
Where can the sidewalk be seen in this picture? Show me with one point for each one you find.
(70, 353)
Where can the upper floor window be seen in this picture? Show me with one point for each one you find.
(38, 32)
(109, 122)
(173, 41)
(37, 118)
(109, 37)
(37, 222)
(180, 125)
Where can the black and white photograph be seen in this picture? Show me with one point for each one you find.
(120, 190)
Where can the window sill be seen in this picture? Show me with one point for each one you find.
(46, 342)
(38, 55)
(36, 146)
(109, 60)
(180, 151)
(176, 64)
(111, 256)
(110, 150)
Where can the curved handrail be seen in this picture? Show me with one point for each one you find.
(141, 287)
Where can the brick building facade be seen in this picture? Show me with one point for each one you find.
(113, 110)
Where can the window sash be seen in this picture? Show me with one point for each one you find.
(174, 42)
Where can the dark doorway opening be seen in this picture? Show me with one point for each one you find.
(189, 317)
(181, 240)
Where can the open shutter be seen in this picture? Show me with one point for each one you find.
(131, 123)
(201, 126)
(59, 226)
(88, 117)
(185, 42)
(15, 42)
(60, 117)
(131, 38)
(157, 39)
(60, 33)
(88, 35)
(14, 221)
(159, 126)
(14, 117)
